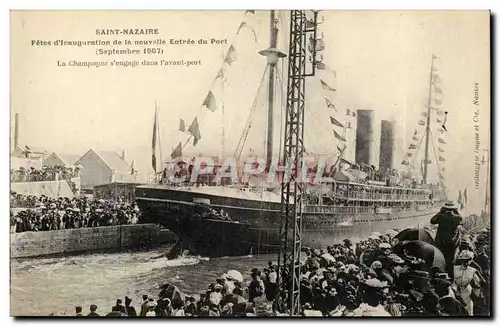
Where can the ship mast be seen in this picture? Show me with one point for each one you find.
(428, 125)
(272, 55)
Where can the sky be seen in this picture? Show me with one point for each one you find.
(381, 61)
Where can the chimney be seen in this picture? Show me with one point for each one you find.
(123, 154)
(16, 131)
(386, 145)
(364, 137)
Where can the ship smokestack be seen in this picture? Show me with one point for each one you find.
(386, 145)
(364, 137)
(16, 131)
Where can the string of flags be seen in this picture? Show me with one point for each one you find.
(210, 100)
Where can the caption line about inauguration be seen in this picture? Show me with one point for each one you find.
(129, 48)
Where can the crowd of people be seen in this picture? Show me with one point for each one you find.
(46, 173)
(64, 213)
(392, 274)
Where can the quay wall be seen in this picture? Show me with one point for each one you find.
(125, 237)
(52, 189)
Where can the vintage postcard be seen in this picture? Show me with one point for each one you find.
(250, 163)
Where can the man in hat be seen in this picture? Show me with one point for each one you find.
(447, 237)
(450, 305)
(130, 310)
(78, 311)
(119, 307)
(93, 309)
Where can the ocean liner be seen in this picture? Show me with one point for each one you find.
(218, 217)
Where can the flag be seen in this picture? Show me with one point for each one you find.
(348, 126)
(336, 122)
(416, 138)
(349, 113)
(194, 130)
(436, 79)
(439, 121)
(405, 162)
(465, 196)
(440, 112)
(421, 122)
(409, 154)
(210, 102)
(329, 104)
(244, 24)
(412, 146)
(182, 125)
(339, 137)
(438, 102)
(424, 114)
(153, 147)
(442, 168)
(444, 123)
(249, 12)
(434, 57)
(415, 133)
(438, 90)
(440, 150)
(132, 168)
(326, 86)
(434, 69)
(442, 159)
(441, 141)
(230, 56)
(177, 152)
(220, 74)
(441, 131)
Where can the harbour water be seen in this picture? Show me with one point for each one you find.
(43, 286)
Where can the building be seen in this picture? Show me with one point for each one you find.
(61, 159)
(103, 167)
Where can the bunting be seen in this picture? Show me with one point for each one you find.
(416, 138)
(424, 114)
(339, 137)
(244, 24)
(230, 56)
(177, 152)
(439, 121)
(441, 140)
(182, 126)
(194, 130)
(220, 74)
(329, 104)
(421, 122)
(250, 12)
(415, 133)
(409, 154)
(438, 90)
(442, 159)
(210, 102)
(436, 79)
(440, 150)
(412, 146)
(336, 122)
(349, 113)
(326, 86)
(440, 112)
(444, 122)
(437, 101)
(405, 162)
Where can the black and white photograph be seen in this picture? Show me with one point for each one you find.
(250, 163)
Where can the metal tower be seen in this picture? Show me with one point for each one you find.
(302, 39)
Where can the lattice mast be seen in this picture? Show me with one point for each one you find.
(299, 68)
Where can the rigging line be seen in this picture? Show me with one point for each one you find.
(416, 151)
(248, 125)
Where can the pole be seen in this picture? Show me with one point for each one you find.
(270, 102)
(428, 127)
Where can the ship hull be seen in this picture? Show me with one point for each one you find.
(255, 226)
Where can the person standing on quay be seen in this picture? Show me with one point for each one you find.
(447, 236)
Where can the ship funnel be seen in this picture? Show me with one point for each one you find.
(386, 145)
(364, 137)
(16, 131)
